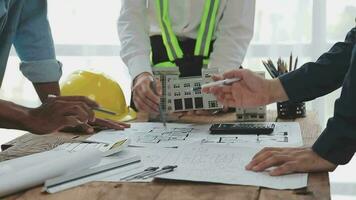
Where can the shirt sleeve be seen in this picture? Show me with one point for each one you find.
(133, 29)
(319, 78)
(337, 143)
(34, 44)
(233, 35)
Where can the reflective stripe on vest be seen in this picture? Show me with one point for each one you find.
(206, 28)
(205, 33)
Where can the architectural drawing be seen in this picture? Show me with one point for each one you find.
(178, 134)
(178, 94)
(225, 164)
(160, 134)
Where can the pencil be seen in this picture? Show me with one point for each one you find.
(290, 61)
(268, 69)
(296, 63)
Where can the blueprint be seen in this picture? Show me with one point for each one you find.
(175, 135)
(225, 164)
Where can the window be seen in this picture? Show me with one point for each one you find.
(176, 86)
(188, 103)
(186, 85)
(340, 18)
(212, 104)
(198, 102)
(178, 104)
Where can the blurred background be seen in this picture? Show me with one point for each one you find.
(85, 35)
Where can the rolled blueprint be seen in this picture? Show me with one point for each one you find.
(30, 171)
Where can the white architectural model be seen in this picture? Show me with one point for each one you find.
(178, 94)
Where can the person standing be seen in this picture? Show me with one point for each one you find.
(190, 34)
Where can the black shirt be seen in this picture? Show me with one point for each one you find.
(332, 70)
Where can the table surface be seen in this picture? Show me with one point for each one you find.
(318, 183)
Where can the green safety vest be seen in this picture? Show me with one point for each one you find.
(204, 37)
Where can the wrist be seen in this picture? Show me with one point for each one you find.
(276, 91)
(142, 75)
(28, 119)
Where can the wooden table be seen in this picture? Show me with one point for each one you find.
(318, 183)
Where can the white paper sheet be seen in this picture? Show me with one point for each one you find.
(108, 148)
(150, 157)
(29, 171)
(155, 135)
(225, 164)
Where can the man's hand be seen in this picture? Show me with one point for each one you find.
(289, 160)
(144, 98)
(65, 112)
(251, 91)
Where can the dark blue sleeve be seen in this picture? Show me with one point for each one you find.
(337, 143)
(319, 78)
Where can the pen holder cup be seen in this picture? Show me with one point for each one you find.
(289, 110)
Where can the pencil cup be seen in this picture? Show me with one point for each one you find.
(289, 110)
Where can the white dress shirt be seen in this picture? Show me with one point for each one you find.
(233, 30)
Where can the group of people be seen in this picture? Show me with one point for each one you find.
(191, 35)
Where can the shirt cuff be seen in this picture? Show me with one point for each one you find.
(292, 87)
(139, 64)
(335, 144)
(42, 71)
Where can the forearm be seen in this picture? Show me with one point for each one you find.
(276, 91)
(319, 78)
(13, 116)
(338, 141)
(44, 89)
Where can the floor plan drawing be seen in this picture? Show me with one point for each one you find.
(177, 134)
(160, 134)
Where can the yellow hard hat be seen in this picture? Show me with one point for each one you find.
(102, 89)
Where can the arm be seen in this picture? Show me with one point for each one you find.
(34, 45)
(133, 31)
(12, 116)
(337, 143)
(44, 89)
(233, 35)
(313, 80)
(51, 116)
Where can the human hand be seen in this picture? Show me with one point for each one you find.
(144, 97)
(289, 160)
(98, 124)
(61, 112)
(251, 91)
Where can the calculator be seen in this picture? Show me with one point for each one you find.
(243, 128)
